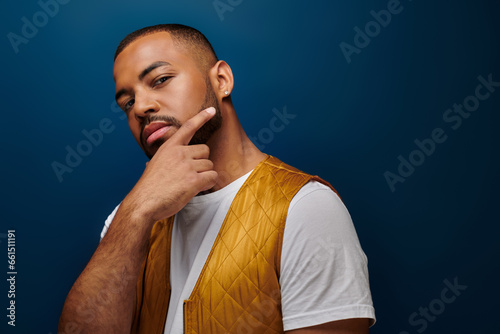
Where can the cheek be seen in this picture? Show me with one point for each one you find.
(184, 97)
(134, 127)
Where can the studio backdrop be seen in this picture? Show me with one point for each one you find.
(395, 103)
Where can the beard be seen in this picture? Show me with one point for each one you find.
(207, 130)
(202, 135)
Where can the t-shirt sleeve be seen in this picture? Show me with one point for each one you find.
(108, 221)
(324, 271)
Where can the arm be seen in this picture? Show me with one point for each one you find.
(102, 298)
(347, 326)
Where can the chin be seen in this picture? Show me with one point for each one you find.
(152, 149)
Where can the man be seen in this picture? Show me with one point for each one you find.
(216, 236)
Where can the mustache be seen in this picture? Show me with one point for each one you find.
(163, 118)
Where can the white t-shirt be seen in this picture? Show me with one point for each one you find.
(324, 273)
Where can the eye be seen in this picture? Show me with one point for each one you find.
(160, 81)
(128, 105)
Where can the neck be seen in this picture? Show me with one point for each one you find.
(231, 151)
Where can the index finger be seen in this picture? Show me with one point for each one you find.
(186, 132)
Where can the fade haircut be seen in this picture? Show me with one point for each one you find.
(185, 37)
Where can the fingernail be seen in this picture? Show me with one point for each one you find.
(211, 110)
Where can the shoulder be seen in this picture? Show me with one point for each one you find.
(318, 223)
(317, 209)
(316, 190)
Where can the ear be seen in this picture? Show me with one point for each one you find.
(222, 80)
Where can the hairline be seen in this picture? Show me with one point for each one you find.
(193, 49)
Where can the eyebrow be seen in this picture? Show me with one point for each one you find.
(145, 72)
(152, 67)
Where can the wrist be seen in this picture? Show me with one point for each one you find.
(137, 212)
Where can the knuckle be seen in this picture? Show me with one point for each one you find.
(212, 176)
(177, 153)
(205, 149)
(190, 181)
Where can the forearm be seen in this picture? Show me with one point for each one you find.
(102, 298)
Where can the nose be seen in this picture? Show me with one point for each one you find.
(145, 104)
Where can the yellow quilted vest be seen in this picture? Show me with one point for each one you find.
(238, 288)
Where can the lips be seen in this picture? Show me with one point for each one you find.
(154, 131)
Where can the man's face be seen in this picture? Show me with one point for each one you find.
(160, 86)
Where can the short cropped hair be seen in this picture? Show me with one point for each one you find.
(190, 38)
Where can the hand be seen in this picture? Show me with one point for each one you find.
(175, 174)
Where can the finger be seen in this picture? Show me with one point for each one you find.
(209, 179)
(203, 165)
(200, 151)
(188, 129)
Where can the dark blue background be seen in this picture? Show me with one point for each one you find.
(352, 122)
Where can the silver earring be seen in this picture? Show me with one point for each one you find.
(226, 92)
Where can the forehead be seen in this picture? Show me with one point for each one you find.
(148, 49)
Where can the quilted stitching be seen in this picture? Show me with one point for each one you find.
(238, 289)
(153, 290)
